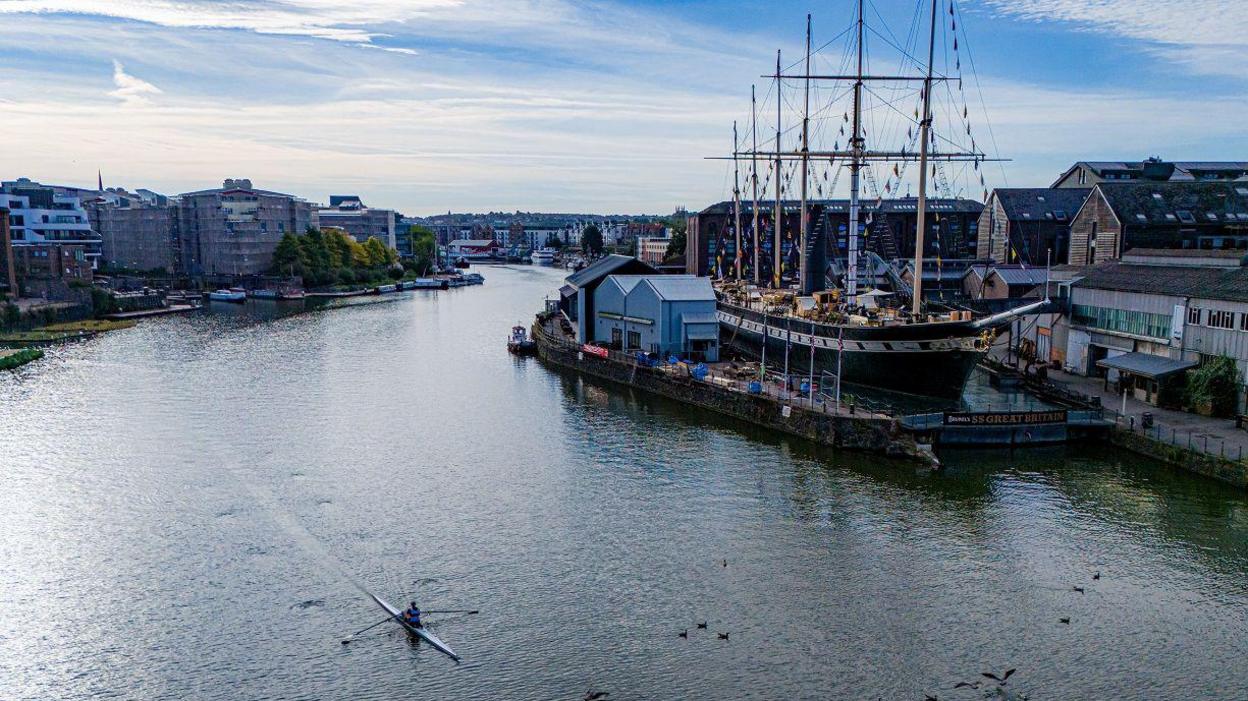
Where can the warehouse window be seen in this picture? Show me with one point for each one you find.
(1193, 316)
(1219, 319)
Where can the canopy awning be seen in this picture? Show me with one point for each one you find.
(1146, 365)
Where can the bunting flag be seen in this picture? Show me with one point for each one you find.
(951, 9)
(965, 112)
(955, 43)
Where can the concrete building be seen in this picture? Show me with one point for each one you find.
(1028, 225)
(348, 213)
(1089, 173)
(138, 231)
(1118, 217)
(40, 214)
(1157, 313)
(233, 229)
(661, 314)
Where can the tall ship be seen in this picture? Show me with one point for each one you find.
(794, 289)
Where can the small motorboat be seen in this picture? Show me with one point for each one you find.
(519, 342)
(234, 295)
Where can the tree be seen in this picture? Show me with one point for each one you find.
(1213, 386)
(554, 242)
(377, 253)
(591, 240)
(424, 246)
(288, 257)
(676, 245)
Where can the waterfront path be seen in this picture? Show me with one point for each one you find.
(1202, 433)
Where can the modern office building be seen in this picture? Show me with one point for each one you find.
(40, 214)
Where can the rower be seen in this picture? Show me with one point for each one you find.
(412, 615)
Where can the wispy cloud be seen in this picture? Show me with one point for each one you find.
(131, 90)
(326, 19)
(1203, 35)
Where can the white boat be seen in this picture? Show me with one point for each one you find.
(427, 283)
(384, 289)
(423, 633)
(235, 295)
(264, 294)
(543, 256)
(474, 278)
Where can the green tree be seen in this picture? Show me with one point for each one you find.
(424, 246)
(1214, 384)
(377, 253)
(676, 246)
(289, 257)
(591, 240)
(554, 242)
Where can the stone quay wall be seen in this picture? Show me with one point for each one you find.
(876, 434)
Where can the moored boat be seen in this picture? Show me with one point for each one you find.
(234, 295)
(543, 256)
(519, 342)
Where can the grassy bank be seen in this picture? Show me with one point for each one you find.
(67, 331)
(10, 360)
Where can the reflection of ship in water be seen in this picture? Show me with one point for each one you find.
(773, 260)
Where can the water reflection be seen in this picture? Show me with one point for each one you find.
(181, 490)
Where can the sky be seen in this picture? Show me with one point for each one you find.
(431, 106)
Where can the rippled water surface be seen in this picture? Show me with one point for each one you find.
(188, 507)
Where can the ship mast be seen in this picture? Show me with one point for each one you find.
(925, 128)
(805, 284)
(779, 222)
(855, 166)
(754, 177)
(736, 201)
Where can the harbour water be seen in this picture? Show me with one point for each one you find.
(190, 505)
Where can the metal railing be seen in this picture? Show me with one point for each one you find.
(1188, 438)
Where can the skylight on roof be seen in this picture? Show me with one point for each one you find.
(1170, 217)
(1242, 190)
(1213, 216)
(1141, 217)
(1060, 214)
(1157, 195)
(1186, 216)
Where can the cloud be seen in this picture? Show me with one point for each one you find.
(131, 90)
(1204, 35)
(325, 19)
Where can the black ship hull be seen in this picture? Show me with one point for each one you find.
(929, 359)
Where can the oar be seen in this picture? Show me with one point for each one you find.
(349, 637)
(472, 611)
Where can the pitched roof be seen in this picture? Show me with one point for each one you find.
(605, 266)
(1229, 284)
(1175, 203)
(1041, 203)
(672, 288)
(1019, 275)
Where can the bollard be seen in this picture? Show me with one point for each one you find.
(1132, 429)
